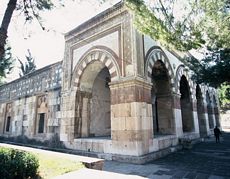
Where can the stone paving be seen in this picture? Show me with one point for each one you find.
(205, 160)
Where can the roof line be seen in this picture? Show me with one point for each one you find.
(96, 18)
(32, 73)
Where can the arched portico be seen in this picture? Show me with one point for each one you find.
(160, 73)
(163, 122)
(92, 105)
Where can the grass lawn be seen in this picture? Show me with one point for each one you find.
(51, 166)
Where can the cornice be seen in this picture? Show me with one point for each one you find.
(115, 10)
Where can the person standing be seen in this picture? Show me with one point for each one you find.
(217, 134)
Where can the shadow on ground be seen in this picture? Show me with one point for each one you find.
(205, 160)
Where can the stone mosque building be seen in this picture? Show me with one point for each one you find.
(117, 94)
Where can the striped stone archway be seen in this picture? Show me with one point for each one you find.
(155, 55)
(161, 92)
(92, 99)
(185, 87)
(181, 70)
(106, 58)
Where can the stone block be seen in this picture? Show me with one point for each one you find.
(118, 123)
(146, 123)
(131, 123)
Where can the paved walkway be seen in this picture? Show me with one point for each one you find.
(206, 160)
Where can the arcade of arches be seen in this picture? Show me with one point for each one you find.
(117, 93)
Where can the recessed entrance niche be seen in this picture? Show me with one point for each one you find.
(93, 102)
(161, 100)
(186, 106)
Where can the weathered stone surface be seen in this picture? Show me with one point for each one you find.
(117, 93)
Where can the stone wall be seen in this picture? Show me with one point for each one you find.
(121, 94)
(26, 99)
(152, 97)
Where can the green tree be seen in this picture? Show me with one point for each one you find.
(192, 24)
(6, 63)
(29, 65)
(184, 25)
(224, 95)
(213, 70)
(201, 23)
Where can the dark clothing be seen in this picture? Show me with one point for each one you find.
(217, 134)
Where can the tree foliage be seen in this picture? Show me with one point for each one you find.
(29, 65)
(192, 24)
(6, 63)
(184, 25)
(213, 70)
(215, 23)
(158, 22)
(224, 95)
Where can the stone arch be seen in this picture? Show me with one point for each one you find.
(162, 104)
(182, 71)
(186, 105)
(155, 54)
(106, 57)
(95, 70)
